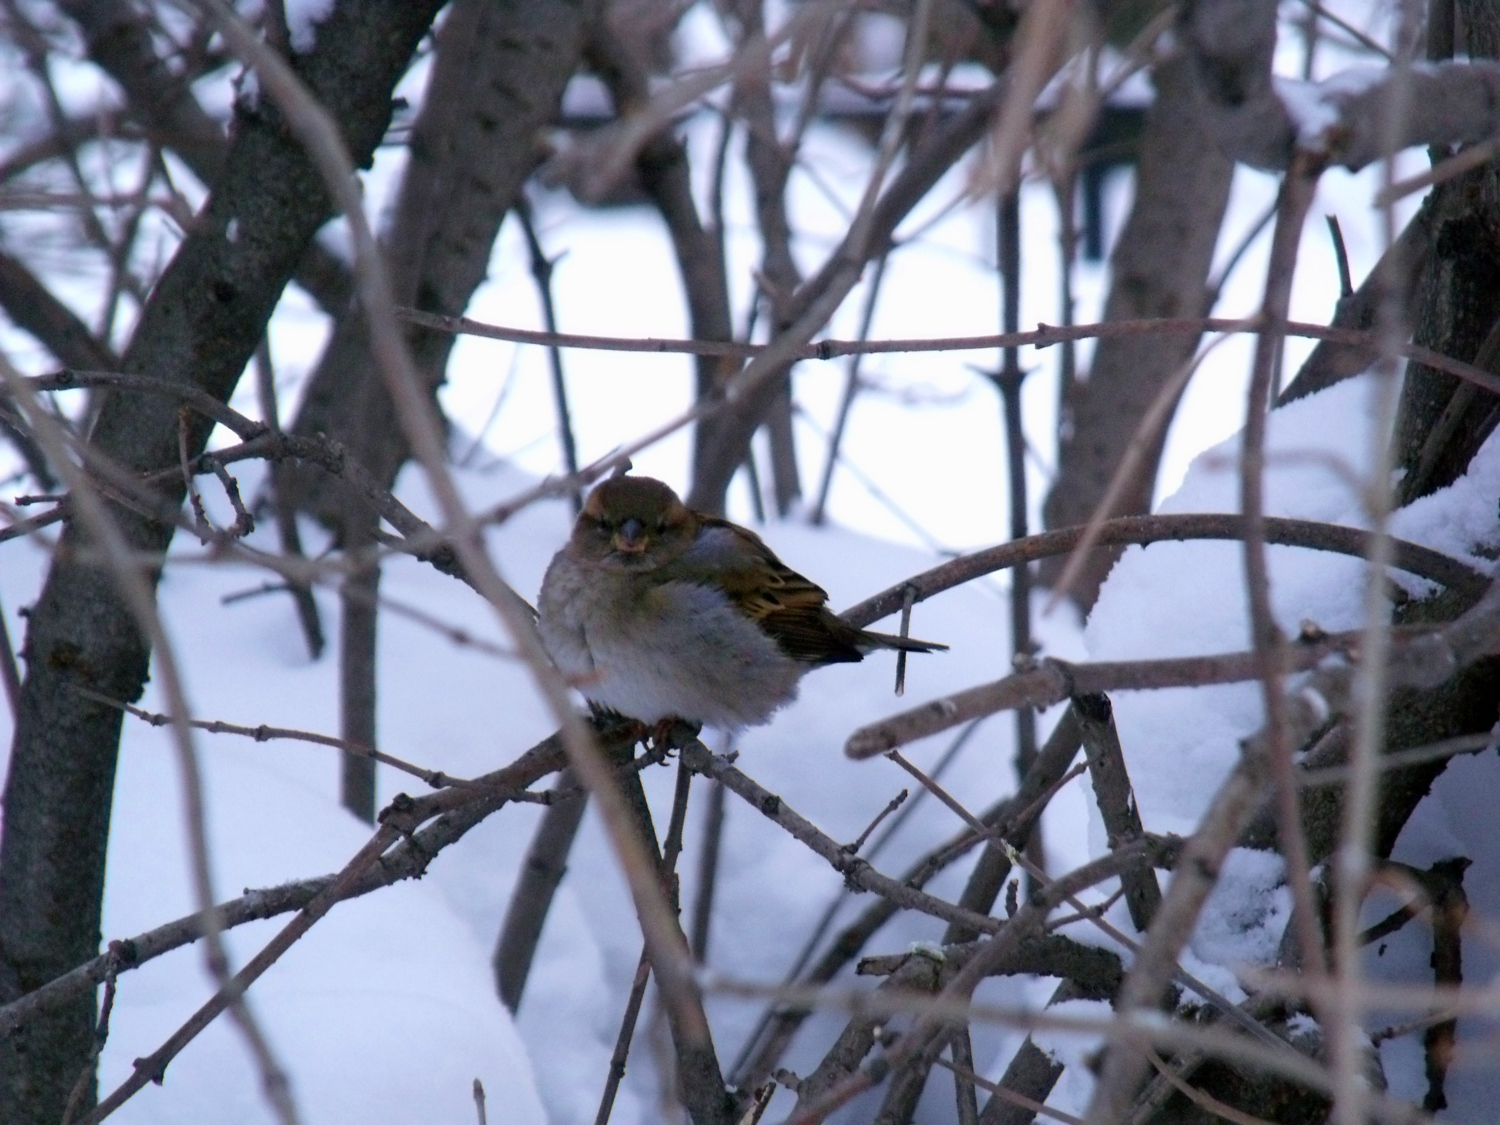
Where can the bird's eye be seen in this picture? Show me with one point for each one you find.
(661, 526)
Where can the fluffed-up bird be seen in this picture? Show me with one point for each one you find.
(656, 611)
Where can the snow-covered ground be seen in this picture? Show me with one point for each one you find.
(388, 1005)
(386, 1012)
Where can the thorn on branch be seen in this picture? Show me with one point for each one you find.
(255, 592)
(1341, 253)
(908, 599)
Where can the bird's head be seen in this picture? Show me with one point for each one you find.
(633, 523)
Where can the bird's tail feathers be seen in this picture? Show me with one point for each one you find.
(868, 639)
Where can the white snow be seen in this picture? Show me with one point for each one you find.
(302, 19)
(1188, 598)
(386, 1011)
(392, 995)
(1312, 111)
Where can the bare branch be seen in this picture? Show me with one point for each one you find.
(1264, 122)
(855, 870)
(1041, 337)
(1116, 801)
(1055, 680)
(1413, 558)
(263, 733)
(541, 874)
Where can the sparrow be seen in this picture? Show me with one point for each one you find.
(656, 612)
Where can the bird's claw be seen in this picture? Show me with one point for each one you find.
(663, 731)
(657, 736)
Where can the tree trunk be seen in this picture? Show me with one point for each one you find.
(201, 327)
(1159, 268)
(497, 81)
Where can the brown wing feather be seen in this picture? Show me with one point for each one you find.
(789, 607)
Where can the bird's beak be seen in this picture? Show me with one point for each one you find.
(630, 538)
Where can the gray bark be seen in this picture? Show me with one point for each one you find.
(357, 675)
(1405, 261)
(118, 39)
(1159, 268)
(496, 83)
(201, 326)
(1442, 421)
(33, 309)
(662, 166)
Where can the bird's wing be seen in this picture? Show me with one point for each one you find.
(791, 609)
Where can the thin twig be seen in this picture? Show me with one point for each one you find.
(285, 513)
(263, 733)
(621, 1052)
(244, 522)
(541, 272)
(962, 1050)
(1008, 381)
(1012, 1097)
(1204, 1101)
(762, 1050)
(1433, 752)
(1116, 801)
(1349, 29)
(466, 807)
(891, 806)
(1475, 156)
(1044, 883)
(1055, 680)
(1343, 1017)
(1341, 257)
(1172, 1034)
(1297, 192)
(856, 871)
(907, 601)
(708, 872)
(1410, 557)
(201, 526)
(1042, 336)
(153, 1067)
(956, 996)
(1134, 461)
(851, 390)
(457, 811)
(96, 1048)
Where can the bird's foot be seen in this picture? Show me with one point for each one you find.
(669, 734)
(662, 736)
(612, 725)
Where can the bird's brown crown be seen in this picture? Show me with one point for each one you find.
(636, 523)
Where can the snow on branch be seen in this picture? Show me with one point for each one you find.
(1345, 120)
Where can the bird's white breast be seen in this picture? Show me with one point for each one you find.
(652, 651)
